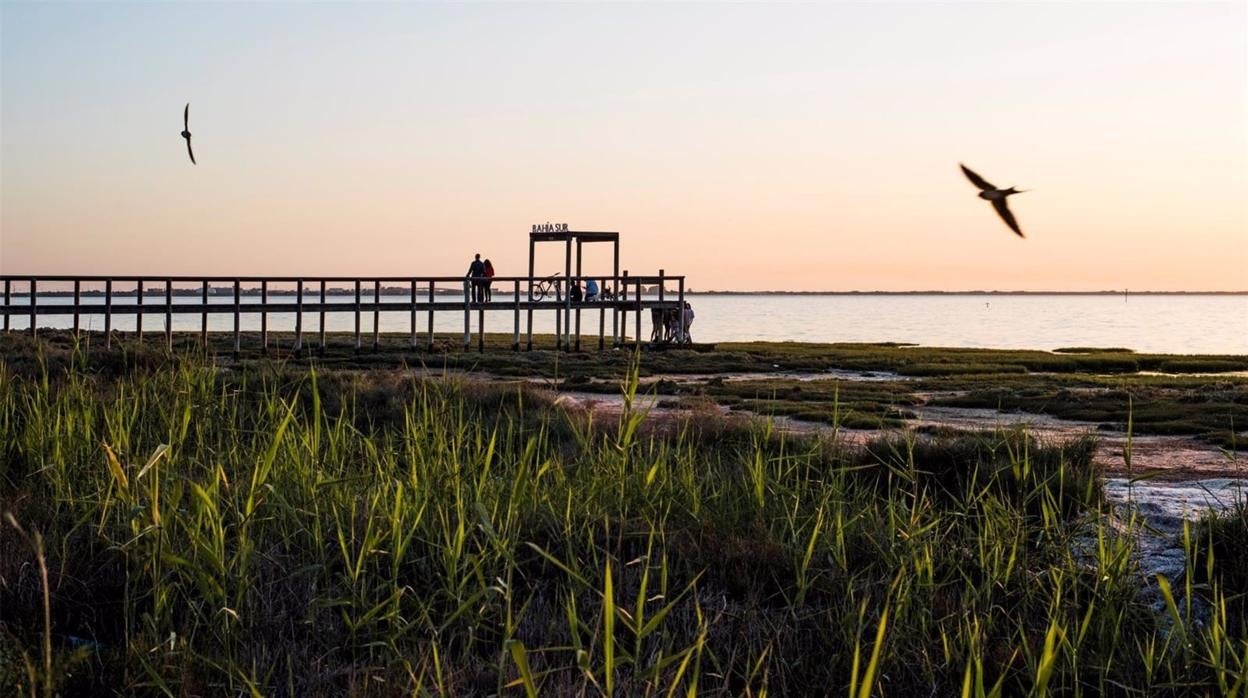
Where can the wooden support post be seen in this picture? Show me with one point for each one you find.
(468, 288)
(138, 314)
(530, 318)
(680, 310)
(637, 311)
(108, 313)
(558, 319)
(662, 308)
(7, 297)
(264, 315)
(413, 310)
(579, 271)
(376, 314)
(238, 337)
(34, 303)
(621, 295)
(515, 335)
(169, 314)
(203, 316)
(431, 300)
(566, 337)
(615, 280)
(322, 306)
(602, 317)
(299, 317)
(77, 302)
(357, 316)
(481, 329)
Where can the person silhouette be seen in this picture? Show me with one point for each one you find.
(489, 281)
(687, 320)
(476, 273)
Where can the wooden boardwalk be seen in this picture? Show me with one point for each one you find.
(421, 298)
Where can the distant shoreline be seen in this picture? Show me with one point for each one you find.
(222, 291)
(966, 293)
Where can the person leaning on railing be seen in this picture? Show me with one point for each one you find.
(476, 272)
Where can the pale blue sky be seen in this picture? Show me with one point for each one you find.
(748, 146)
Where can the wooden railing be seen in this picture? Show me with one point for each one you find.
(310, 295)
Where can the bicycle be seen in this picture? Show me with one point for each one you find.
(542, 287)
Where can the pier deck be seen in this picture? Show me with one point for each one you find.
(31, 297)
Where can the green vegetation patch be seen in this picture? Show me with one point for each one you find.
(1213, 410)
(263, 528)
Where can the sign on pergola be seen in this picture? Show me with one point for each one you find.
(558, 232)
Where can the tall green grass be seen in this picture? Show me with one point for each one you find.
(270, 531)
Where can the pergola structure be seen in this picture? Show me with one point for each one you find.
(567, 237)
(560, 233)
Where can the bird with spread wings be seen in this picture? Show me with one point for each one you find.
(186, 131)
(990, 192)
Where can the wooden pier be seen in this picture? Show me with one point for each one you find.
(140, 297)
(146, 296)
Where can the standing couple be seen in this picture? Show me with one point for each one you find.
(482, 276)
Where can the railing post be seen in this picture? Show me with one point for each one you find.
(7, 296)
(77, 302)
(322, 306)
(376, 314)
(299, 317)
(264, 315)
(680, 310)
(108, 313)
(138, 314)
(413, 310)
(467, 313)
(637, 311)
(529, 321)
(558, 317)
(431, 302)
(203, 314)
(169, 314)
(662, 309)
(238, 339)
(357, 316)
(515, 335)
(34, 296)
(602, 316)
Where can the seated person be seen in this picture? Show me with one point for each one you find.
(575, 293)
(591, 290)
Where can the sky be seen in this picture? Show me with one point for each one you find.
(746, 146)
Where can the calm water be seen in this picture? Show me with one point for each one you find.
(1170, 324)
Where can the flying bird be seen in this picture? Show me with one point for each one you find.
(186, 132)
(990, 192)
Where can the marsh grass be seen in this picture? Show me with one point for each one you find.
(280, 529)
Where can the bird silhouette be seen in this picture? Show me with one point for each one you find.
(990, 192)
(186, 133)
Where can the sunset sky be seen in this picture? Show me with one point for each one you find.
(747, 146)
